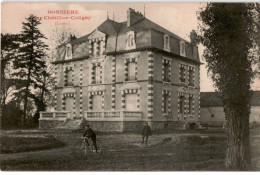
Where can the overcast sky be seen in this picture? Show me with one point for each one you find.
(179, 18)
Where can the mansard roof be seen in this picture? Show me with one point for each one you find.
(111, 27)
(145, 23)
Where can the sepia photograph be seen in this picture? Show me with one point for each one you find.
(130, 86)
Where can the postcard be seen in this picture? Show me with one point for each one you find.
(120, 86)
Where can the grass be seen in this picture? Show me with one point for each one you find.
(21, 144)
(202, 150)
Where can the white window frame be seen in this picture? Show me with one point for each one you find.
(182, 49)
(68, 57)
(185, 73)
(130, 40)
(166, 46)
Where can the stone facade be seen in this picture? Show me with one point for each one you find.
(125, 74)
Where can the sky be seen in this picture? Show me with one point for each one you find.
(179, 18)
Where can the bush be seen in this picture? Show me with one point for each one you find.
(12, 116)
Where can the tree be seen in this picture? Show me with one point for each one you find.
(30, 62)
(257, 35)
(9, 47)
(227, 33)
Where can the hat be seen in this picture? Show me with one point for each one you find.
(87, 125)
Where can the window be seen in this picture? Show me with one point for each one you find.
(97, 74)
(166, 43)
(68, 78)
(190, 104)
(182, 73)
(182, 99)
(165, 102)
(98, 48)
(166, 76)
(191, 76)
(212, 115)
(130, 40)
(92, 48)
(130, 43)
(97, 102)
(131, 102)
(69, 104)
(68, 52)
(182, 48)
(130, 69)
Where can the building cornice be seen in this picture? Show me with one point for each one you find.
(70, 60)
(149, 48)
(154, 49)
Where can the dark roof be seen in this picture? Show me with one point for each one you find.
(109, 27)
(145, 23)
(212, 99)
(81, 39)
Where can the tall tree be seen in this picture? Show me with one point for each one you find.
(9, 47)
(227, 33)
(31, 60)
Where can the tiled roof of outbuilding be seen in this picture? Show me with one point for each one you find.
(212, 99)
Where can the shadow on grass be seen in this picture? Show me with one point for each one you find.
(22, 144)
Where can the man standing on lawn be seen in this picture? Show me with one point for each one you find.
(146, 132)
(89, 133)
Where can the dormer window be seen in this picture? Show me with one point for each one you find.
(68, 52)
(166, 43)
(130, 44)
(182, 49)
(130, 40)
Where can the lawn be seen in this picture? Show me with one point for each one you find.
(23, 144)
(166, 151)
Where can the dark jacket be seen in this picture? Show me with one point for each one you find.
(89, 133)
(147, 131)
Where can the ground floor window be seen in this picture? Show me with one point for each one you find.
(69, 104)
(97, 102)
(131, 102)
(190, 104)
(182, 103)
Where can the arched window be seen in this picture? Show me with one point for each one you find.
(166, 43)
(130, 40)
(68, 52)
(182, 48)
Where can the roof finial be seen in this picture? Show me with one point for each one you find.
(144, 9)
(107, 15)
(113, 16)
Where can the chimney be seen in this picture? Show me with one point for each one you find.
(193, 37)
(133, 17)
(71, 37)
